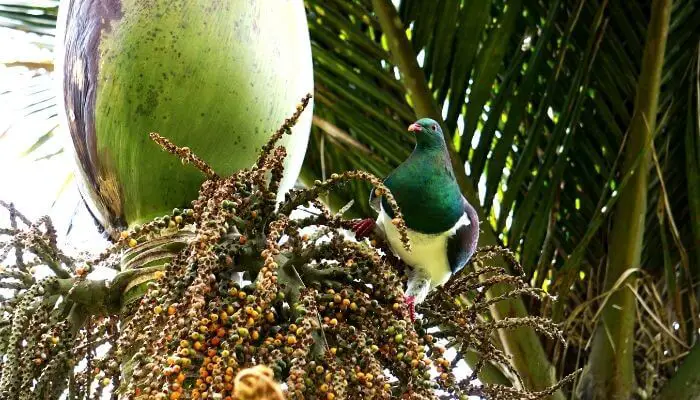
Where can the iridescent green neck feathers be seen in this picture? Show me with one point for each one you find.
(424, 185)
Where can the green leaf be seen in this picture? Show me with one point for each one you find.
(488, 63)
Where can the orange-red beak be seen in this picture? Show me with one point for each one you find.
(414, 128)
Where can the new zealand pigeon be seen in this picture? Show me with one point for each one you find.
(442, 226)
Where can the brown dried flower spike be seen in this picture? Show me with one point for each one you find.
(321, 313)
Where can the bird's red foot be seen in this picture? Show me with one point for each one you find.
(363, 228)
(410, 302)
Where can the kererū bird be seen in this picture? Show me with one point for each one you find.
(442, 226)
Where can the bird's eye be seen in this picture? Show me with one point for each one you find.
(434, 127)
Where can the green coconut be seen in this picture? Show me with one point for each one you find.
(216, 76)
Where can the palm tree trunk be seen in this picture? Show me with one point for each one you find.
(609, 373)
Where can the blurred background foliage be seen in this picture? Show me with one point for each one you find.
(537, 97)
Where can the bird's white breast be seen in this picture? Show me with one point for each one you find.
(428, 251)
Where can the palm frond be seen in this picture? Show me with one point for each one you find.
(539, 97)
(35, 16)
(27, 86)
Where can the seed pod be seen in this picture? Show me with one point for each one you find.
(199, 73)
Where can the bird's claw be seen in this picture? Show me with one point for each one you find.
(410, 302)
(363, 228)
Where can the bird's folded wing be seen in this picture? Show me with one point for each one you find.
(461, 246)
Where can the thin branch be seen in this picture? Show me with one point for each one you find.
(185, 154)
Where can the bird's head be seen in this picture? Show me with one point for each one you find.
(428, 133)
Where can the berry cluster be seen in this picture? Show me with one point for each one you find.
(233, 299)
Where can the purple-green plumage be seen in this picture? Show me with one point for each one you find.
(442, 226)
